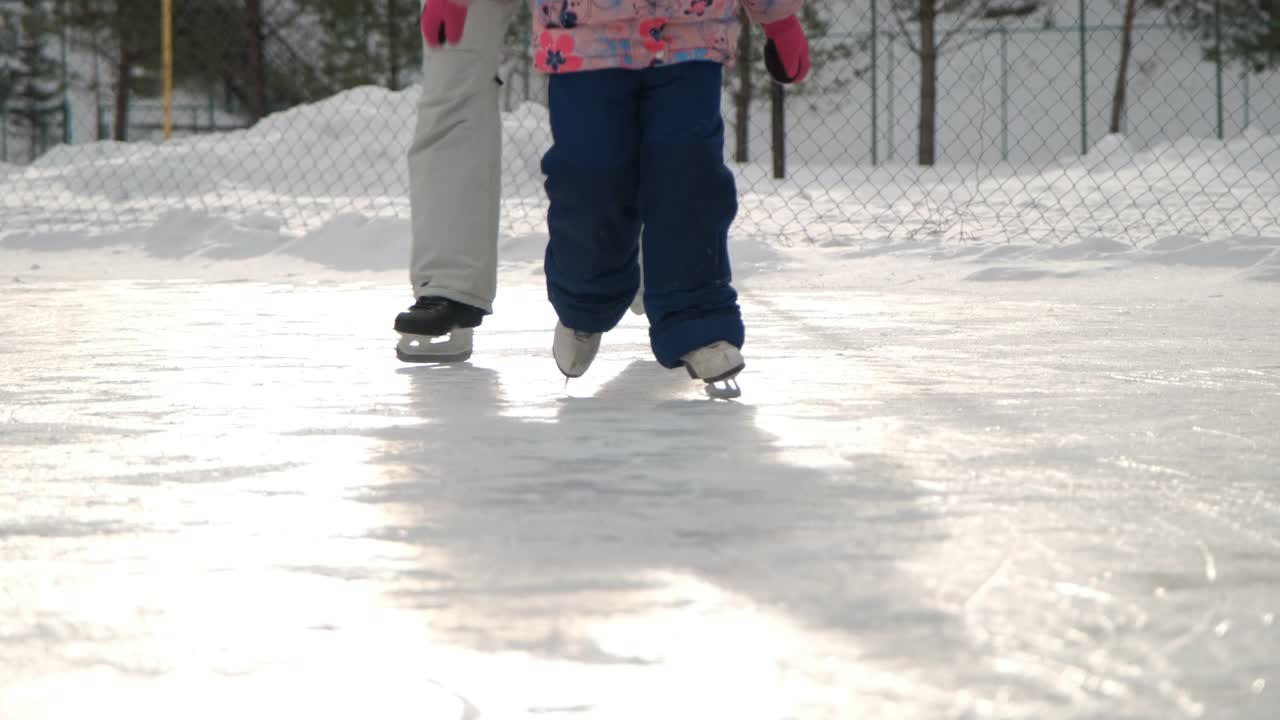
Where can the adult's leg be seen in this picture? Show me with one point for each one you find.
(455, 164)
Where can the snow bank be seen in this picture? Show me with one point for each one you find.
(302, 165)
(327, 183)
(305, 166)
(1115, 204)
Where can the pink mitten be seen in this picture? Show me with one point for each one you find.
(443, 21)
(786, 55)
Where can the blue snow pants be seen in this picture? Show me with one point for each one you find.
(640, 149)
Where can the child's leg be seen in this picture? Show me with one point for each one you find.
(688, 199)
(594, 224)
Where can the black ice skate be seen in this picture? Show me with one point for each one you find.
(436, 330)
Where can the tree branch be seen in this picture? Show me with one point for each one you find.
(906, 32)
(979, 10)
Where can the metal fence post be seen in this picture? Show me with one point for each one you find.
(1217, 42)
(39, 148)
(875, 85)
(66, 82)
(1244, 80)
(893, 120)
(1084, 83)
(1004, 93)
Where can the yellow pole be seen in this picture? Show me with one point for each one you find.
(167, 9)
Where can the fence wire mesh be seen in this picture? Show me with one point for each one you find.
(1009, 123)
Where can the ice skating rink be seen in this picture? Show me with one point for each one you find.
(227, 499)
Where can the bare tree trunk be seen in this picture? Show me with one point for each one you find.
(97, 87)
(393, 43)
(526, 78)
(1122, 76)
(746, 91)
(1273, 12)
(124, 88)
(928, 81)
(778, 98)
(257, 61)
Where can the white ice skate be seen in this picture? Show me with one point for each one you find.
(574, 350)
(718, 365)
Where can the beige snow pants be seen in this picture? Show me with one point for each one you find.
(455, 164)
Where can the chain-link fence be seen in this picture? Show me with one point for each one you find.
(924, 119)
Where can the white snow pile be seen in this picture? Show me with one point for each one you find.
(324, 182)
(327, 183)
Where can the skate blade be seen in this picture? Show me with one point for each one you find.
(452, 348)
(726, 389)
(723, 386)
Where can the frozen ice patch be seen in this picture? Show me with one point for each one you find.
(1017, 274)
(1098, 248)
(1231, 253)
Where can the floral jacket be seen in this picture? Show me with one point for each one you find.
(580, 35)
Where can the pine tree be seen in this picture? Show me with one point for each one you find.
(127, 35)
(248, 51)
(1247, 31)
(29, 72)
(367, 42)
(10, 66)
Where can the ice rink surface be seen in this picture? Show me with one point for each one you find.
(1044, 500)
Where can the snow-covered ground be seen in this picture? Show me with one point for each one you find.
(978, 471)
(308, 178)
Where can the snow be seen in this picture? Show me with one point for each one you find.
(308, 181)
(996, 456)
